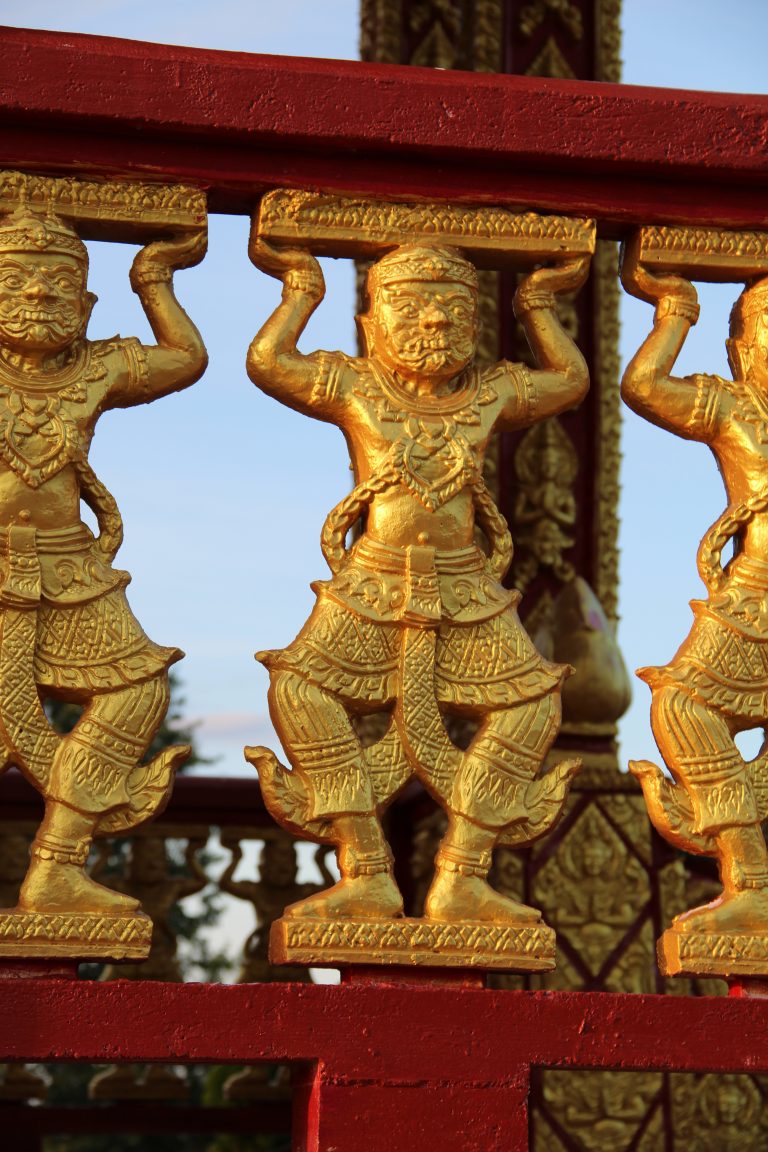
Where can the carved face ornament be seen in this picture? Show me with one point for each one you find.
(426, 328)
(43, 306)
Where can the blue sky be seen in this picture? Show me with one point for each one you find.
(224, 492)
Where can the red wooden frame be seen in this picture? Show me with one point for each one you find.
(392, 1060)
(238, 124)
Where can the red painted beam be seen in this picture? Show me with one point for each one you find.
(395, 1034)
(238, 124)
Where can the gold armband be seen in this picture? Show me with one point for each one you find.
(151, 274)
(303, 280)
(674, 306)
(530, 301)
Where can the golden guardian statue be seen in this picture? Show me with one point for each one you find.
(66, 630)
(414, 621)
(717, 684)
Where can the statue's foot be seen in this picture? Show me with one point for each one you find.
(455, 897)
(734, 912)
(363, 897)
(53, 887)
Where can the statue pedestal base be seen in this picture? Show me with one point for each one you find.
(78, 935)
(720, 954)
(428, 943)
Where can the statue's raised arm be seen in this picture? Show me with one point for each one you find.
(561, 380)
(274, 363)
(414, 622)
(648, 386)
(67, 632)
(179, 357)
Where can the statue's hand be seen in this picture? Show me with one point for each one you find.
(565, 277)
(638, 281)
(296, 267)
(158, 260)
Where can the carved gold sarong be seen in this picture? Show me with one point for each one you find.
(351, 643)
(87, 639)
(724, 660)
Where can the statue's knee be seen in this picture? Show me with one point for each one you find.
(688, 730)
(299, 707)
(288, 693)
(155, 698)
(668, 702)
(532, 726)
(134, 710)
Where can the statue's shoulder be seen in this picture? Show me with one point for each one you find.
(713, 398)
(710, 380)
(504, 379)
(335, 375)
(118, 360)
(108, 354)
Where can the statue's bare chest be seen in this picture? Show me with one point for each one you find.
(45, 423)
(435, 444)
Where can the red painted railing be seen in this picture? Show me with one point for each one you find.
(386, 1062)
(382, 1061)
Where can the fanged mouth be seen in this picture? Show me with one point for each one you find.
(35, 316)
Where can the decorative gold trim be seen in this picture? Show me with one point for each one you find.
(487, 40)
(488, 353)
(81, 936)
(142, 209)
(534, 14)
(357, 226)
(551, 62)
(712, 954)
(601, 776)
(606, 361)
(605, 381)
(467, 944)
(709, 253)
(381, 31)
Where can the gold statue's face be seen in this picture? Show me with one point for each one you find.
(43, 303)
(426, 328)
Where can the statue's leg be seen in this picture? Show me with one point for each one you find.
(488, 795)
(322, 746)
(698, 747)
(88, 779)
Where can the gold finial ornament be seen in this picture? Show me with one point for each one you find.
(414, 620)
(66, 630)
(716, 686)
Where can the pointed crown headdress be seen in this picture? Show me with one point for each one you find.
(422, 262)
(28, 231)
